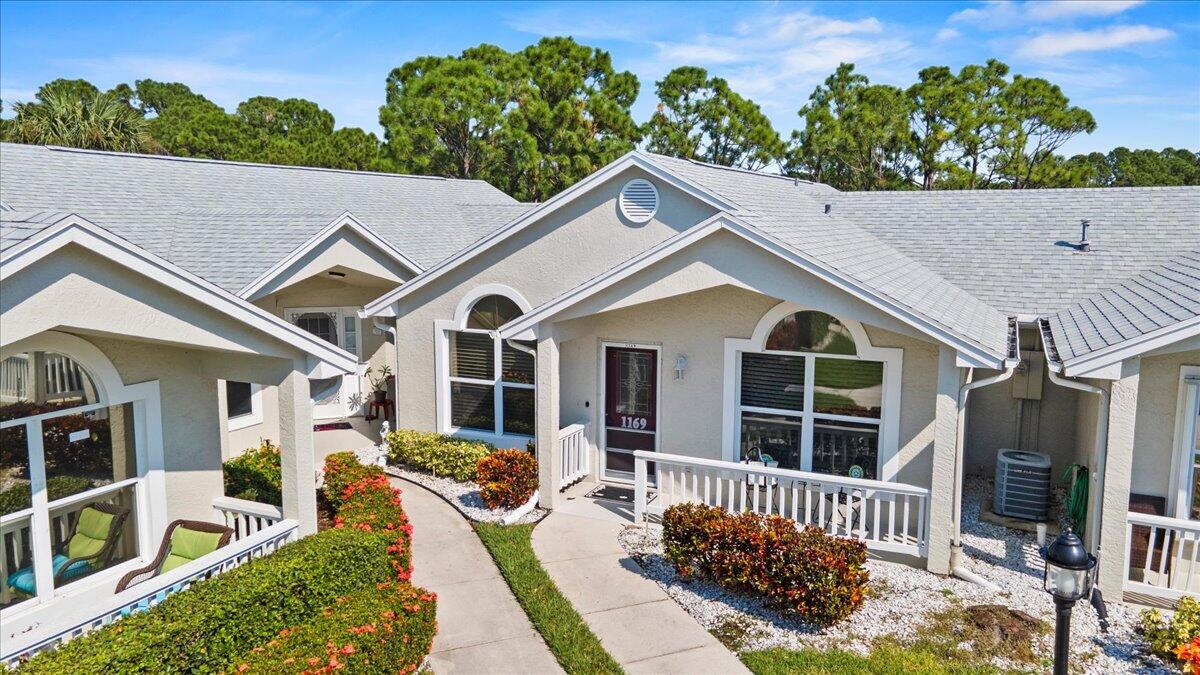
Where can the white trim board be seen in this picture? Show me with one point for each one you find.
(386, 304)
(1187, 402)
(74, 229)
(252, 290)
(970, 352)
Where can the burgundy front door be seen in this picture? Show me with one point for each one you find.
(630, 407)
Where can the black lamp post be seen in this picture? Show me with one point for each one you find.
(1069, 577)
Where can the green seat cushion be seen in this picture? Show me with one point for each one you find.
(91, 533)
(187, 545)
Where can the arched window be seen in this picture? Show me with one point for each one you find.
(809, 400)
(70, 463)
(491, 381)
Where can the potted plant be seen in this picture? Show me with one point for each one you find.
(379, 381)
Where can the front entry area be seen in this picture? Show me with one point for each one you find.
(631, 389)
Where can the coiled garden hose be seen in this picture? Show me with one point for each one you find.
(1077, 497)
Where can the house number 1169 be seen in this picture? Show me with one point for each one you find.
(633, 422)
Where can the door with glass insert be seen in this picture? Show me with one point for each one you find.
(340, 395)
(630, 408)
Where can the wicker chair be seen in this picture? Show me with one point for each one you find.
(152, 570)
(69, 568)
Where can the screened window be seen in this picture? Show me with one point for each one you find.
(491, 381)
(238, 400)
(809, 402)
(85, 453)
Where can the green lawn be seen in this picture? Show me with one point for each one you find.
(570, 640)
(885, 659)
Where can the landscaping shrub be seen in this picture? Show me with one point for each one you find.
(818, 577)
(372, 505)
(388, 629)
(342, 469)
(1176, 640)
(256, 475)
(507, 478)
(17, 497)
(214, 622)
(438, 454)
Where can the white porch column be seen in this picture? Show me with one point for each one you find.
(1118, 472)
(547, 424)
(941, 485)
(296, 445)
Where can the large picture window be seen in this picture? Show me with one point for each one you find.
(809, 400)
(72, 471)
(491, 381)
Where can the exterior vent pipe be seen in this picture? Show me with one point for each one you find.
(1084, 244)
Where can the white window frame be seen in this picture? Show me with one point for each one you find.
(1179, 500)
(889, 421)
(442, 329)
(255, 416)
(350, 401)
(149, 483)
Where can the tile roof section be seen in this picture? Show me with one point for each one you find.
(427, 218)
(1158, 298)
(793, 212)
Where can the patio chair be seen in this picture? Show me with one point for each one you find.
(88, 549)
(183, 542)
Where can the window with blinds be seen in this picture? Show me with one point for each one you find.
(491, 380)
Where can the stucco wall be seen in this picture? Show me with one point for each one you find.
(557, 253)
(1154, 435)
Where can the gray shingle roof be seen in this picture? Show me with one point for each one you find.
(426, 218)
(1010, 248)
(1160, 297)
(18, 226)
(793, 212)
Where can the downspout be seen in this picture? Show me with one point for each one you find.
(1053, 368)
(1010, 365)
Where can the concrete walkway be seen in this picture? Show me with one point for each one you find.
(481, 628)
(637, 622)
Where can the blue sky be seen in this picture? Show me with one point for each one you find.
(1135, 65)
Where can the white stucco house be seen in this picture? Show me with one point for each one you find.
(654, 326)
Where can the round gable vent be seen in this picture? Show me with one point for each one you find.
(639, 200)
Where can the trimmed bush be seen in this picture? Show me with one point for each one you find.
(256, 475)
(381, 630)
(1175, 640)
(215, 622)
(507, 478)
(806, 572)
(372, 505)
(17, 497)
(438, 454)
(341, 470)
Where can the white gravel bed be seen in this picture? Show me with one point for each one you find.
(464, 496)
(902, 597)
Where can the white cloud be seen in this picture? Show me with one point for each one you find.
(1100, 39)
(947, 34)
(1007, 13)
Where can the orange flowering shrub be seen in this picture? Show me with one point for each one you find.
(371, 504)
(1188, 655)
(342, 469)
(383, 629)
(507, 478)
(818, 577)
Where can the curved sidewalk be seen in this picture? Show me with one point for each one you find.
(637, 622)
(481, 628)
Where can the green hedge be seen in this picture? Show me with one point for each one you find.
(376, 631)
(438, 454)
(215, 622)
(256, 475)
(18, 498)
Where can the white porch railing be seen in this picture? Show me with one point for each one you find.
(573, 452)
(246, 517)
(49, 624)
(1167, 566)
(887, 516)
